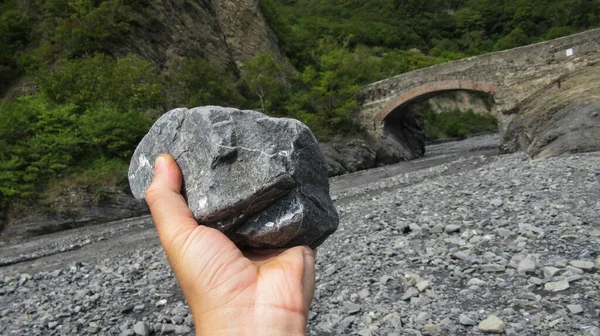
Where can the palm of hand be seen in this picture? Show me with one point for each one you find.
(229, 291)
(229, 279)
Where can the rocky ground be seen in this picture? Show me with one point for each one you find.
(461, 242)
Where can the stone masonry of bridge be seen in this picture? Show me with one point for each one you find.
(510, 76)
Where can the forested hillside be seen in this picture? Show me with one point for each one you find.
(75, 105)
(440, 28)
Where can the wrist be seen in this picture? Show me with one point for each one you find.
(268, 321)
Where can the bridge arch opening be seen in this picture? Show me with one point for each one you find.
(404, 126)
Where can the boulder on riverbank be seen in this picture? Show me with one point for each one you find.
(562, 118)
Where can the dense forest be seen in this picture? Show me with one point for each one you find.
(73, 111)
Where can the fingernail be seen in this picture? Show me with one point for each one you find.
(159, 163)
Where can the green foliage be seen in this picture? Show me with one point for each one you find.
(456, 124)
(81, 27)
(128, 82)
(15, 25)
(43, 141)
(39, 142)
(516, 38)
(399, 61)
(198, 82)
(266, 78)
(110, 132)
(470, 26)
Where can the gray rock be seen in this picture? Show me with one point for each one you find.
(465, 320)
(557, 286)
(437, 229)
(575, 309)
(535, 281)
(452, 228)
(423, 285)
(411, 292)
(476, 282)
(504, 232)
(347, 322)
(558, 120)
(353, 155)
(493, 268)
(141, 328)
(497, 202)
(260, 180)
(526, 266)
(583, 264)
(550, 271)
(167, 328)
(351, 307)
(492, 324)
(393, 319)
(182, 330)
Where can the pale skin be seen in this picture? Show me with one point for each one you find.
(229, 291)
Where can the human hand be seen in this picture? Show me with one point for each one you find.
(230, 292)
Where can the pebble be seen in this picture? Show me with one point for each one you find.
(497, 202)
(141, 328)
(352, 308)
(583, 264)
(575, 309)
(493, 268)
(526, 266)
(557, 286)
(423, 285)
(410, 293)
(492, 324)
(466, 320)
(476, 282)
(550, 272)
(452, 228)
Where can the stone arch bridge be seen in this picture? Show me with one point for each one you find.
(510, 76)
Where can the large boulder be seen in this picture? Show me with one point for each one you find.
(348, 156)
(562, 118)
(260, 180)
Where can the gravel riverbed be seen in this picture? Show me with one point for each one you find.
(460, 242)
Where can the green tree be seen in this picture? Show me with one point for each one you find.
(266, 78)
(515, 39)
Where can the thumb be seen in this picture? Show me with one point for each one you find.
(172, 216)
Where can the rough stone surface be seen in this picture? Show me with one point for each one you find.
(224, 32)
(559, 119)
(260, 180)
(348, 156)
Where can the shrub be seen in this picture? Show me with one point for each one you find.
(110, 132)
